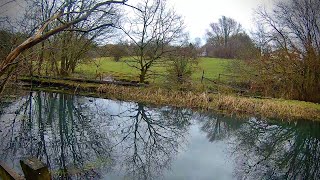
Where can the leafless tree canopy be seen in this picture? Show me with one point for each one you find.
(227, 39)
(221, 31)
(152, 30)
(291, 59)
(60, 16)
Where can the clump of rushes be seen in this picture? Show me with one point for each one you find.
(241, 106)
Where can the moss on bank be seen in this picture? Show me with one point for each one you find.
(227, 104)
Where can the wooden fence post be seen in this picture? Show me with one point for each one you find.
(202, 76)
(34, 169)
(7, 173)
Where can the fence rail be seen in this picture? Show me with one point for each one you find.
(33, 169)
(220, 83)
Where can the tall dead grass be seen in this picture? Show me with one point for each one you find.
(269, 108)
(240, 106)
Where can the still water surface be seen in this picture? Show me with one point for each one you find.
(91, 138)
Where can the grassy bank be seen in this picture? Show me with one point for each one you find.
(227, 104)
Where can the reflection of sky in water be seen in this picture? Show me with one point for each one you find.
(107, 139)
(202, 159)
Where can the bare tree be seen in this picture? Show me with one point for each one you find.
(59, 21)
(222, 37)
(182, 63)
(224, 29)
(261, 38)
(292, 68)
(152, 30)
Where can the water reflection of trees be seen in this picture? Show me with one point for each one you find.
(280, 150)
(148, 139)
(82, 138)
(218, 127)
(52, 128)
(269, 150)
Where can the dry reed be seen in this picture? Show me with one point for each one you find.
(241, 106)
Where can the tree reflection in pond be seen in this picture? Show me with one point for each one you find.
(218, 127)
(279, 150)
(52, 128)
(145, 139)
(266, 150)
(92, 138)
(83, 138)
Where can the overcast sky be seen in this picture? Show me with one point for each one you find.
(198, 14)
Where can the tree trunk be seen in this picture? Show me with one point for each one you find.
(142, 76)
(41, 58)
(64, 57)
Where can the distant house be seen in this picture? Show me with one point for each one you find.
(203, 52)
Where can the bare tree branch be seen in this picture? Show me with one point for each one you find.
(41, 35)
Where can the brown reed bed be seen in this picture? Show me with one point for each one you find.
(204, 101)
(229, 104)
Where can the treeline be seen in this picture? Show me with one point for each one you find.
(57, 35)
(282, 57)
(227, 39)
(289, 43)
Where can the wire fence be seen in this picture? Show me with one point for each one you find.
(224, 80)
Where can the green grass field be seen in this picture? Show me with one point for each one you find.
(107, 66)
(212, 67)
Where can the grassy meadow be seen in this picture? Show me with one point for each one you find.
(212, 67)
(121, 70)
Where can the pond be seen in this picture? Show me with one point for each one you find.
(92, 138)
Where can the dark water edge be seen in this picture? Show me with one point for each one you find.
(91, 138)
